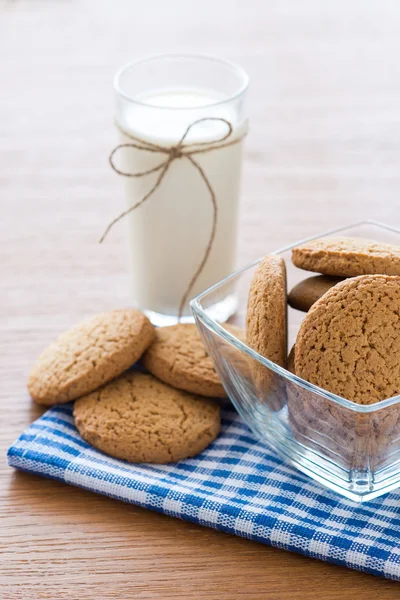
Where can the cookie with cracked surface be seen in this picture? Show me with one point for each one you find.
(88, 355)
(178, 357)
(349, 342)
(266, 319)
(347, 257)
(138, 418)
(309, 290)
(266, 329)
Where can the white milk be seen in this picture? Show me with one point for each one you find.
(168, 234)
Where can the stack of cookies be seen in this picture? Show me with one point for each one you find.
(348, 342)
(160, 416)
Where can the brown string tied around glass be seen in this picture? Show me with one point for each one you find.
(176, 152)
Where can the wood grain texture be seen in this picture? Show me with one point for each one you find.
(323, 151)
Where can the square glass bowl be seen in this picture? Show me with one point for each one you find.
(350, 448)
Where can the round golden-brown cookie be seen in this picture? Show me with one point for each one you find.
(349, 342)
(178, 357)
(140, 419)
(266, 319)
(309, 290)
(88, 355)
(347, 257)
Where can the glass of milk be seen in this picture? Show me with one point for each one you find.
(156, 100)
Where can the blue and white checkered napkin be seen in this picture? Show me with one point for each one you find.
(236, 485)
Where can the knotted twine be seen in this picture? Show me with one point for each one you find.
(176, 152)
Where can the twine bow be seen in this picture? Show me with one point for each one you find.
(176, 152)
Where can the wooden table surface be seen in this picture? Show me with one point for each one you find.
(323, 151)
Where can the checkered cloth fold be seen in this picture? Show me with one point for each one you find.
(236, 485)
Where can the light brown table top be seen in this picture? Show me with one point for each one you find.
(323, 151)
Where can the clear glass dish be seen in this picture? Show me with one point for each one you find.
(352, 449)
